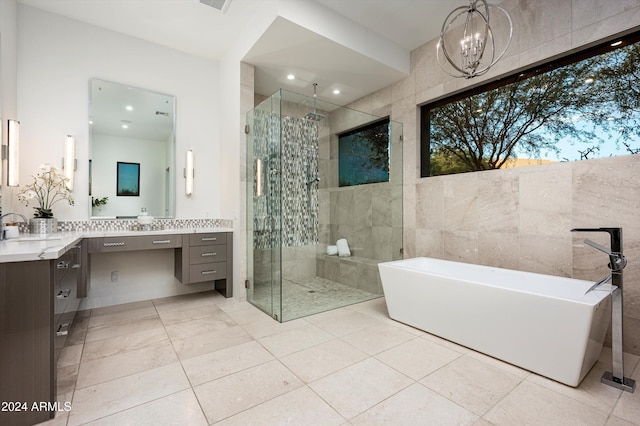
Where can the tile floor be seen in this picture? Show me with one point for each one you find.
(306, 296)
(202, 359)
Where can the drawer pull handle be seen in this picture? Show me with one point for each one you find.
(208, 239)
(63, 330)
(208, 254)
(208, 272)
(161, 241)
(63, 264)
(114, 244)
(64, 294)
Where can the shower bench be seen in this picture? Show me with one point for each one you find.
(342, 270)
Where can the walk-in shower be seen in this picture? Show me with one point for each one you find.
(298, 204)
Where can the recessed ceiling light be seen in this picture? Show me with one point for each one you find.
(125, 126)
(616, 43)
(336, 91)
(129, 108)
(291, 77)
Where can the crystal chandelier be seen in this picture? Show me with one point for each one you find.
(473, 39)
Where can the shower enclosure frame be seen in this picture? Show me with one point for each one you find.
(292, 202)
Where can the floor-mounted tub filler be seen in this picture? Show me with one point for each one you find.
(542, 323)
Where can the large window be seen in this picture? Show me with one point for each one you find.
(364, 154)
(582, 106)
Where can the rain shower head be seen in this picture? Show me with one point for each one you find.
(314, 116)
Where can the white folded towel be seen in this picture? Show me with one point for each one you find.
(343, 248)
(332, 250)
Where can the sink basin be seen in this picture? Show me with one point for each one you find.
(34, 238)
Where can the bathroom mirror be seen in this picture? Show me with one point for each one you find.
(1, 142)
(130, 126)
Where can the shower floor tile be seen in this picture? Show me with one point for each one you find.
(307, 296)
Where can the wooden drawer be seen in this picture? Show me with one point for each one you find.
(207, 254)
(65, 299)
(61, 297)
(62, 265)
(62, 272)
(142, 242)
(208, 271)
(206, 257)
(152, 242)
(207, 239)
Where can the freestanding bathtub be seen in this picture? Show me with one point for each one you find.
(542, 323)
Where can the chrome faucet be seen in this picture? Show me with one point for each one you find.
(617, 262)
(2, 230)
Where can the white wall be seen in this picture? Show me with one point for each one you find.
(237, 97)
(57, 57)
(8, 92)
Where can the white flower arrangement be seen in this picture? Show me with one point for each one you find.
(48, 187)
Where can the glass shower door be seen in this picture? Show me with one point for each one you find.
(264, 206)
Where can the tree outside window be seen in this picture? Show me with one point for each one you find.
(584, 109)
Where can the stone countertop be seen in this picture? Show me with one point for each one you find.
(31, 247)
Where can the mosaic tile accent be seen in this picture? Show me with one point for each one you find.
(288, 147)
(132, 224)
(299, 193)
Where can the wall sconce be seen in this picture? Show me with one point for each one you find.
(189, 172)
(12, 155)
(69, 162)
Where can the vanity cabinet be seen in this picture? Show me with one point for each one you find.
(83, 269)
(199, 257)
(138, 242)
(65, 296)
(206, 257)
(36, 299)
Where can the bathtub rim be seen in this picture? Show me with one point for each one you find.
(592, 298)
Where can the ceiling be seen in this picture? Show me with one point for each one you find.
(285, 46)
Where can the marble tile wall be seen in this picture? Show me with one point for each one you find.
(368, 216)
(520, 218)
